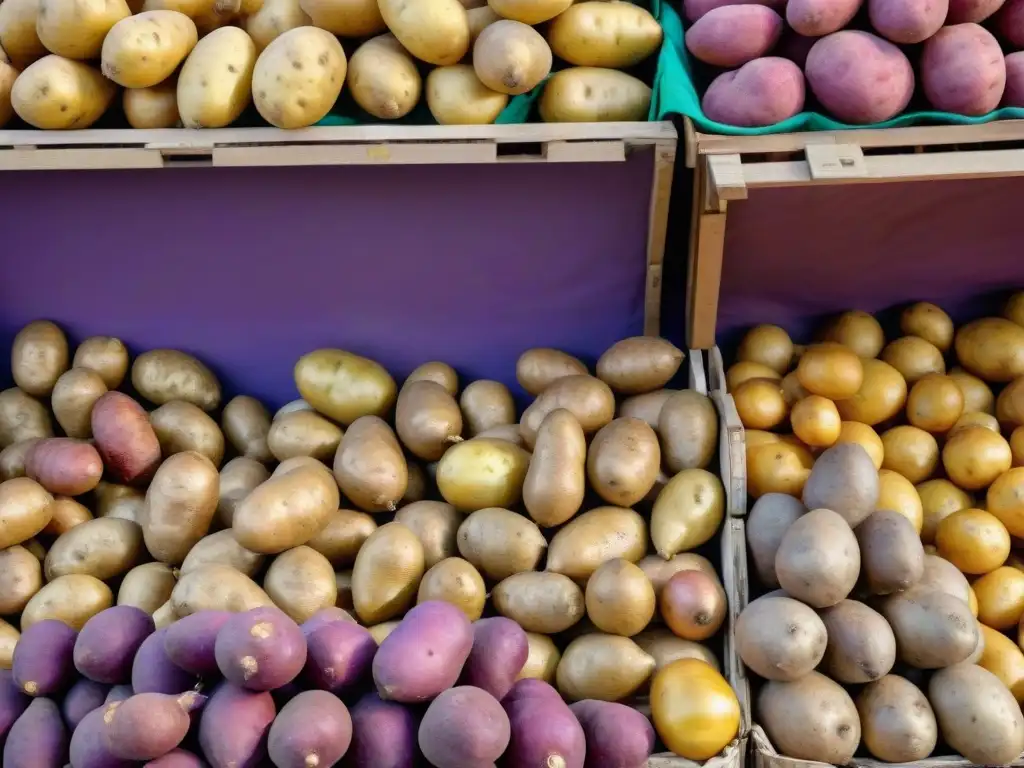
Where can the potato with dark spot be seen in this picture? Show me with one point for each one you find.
(234, 726)
(214, 82)
(261, 649)
(897, 721)
(295, 83)
(73, 398)
(464, 727)
(861, 646)
(39, 355)
(38, 739)
(106, 647)
(933, 629)
(44, 658)
(56, 93)
(892, 556)
(780, 638)
(148, 725)
(138, 52)
(811, 718)
(314, 728)
(182, 426)
(246, 423)
(125, 438)
(154, 672)
(818, 559)
(105, 355)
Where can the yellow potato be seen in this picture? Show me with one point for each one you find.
(181, 426)
(975, 456)
(910, 451)
(1016, 447)
(276, 17)
(898, 494)
(73, 599)
(881, 396)
(935, 403)
(768, 345)
(339, 384)
(455, 96)
(25, 510)
(928, 322)
(56, 93)
(830, 370)
(939, 499)
(777, 468)
(816, 421)
(162, 375)
(348, 18)
(72, 399)
(286, 511)
(913, 357)
(479, 18)
(529, 11)
(866, 437)
(977, 394)
(975, 419)
(602, 34)
(106, 355)
(9, 639)
(434, 31)
(973, 540)
(1000, 596)
(383, 79)
(745, 370)
(145, 49)
(760, 403)
(1005, 500)
(75, 28)
(992, 348)
(8, 75)
(511, 57)
(214, 85)
(194, 9)
(593, 95)
(18, 36)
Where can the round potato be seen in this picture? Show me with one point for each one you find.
(246, 424)
(930, 323)
(181, 426)
(39, 355)
(482, 472)
(301, 582)
(911, 452)
(347, 18)
(818, 559)
(21, 576)
(455, 581)
(455, 96)
(18, 37)
(147, 587)
(973, 540)
(383, 78)
(485, 404)
(975, 456)
(500, 542)
(275, 17)
(286, 510)
(597, 34)
(75, 29)
(73, 599)
(303, 433)
(143, 50)
(22, 418)
(780, 638)
(511, 57)
(215, 82)
(105, 547)
(933, 629)
(153, 107)
(913, 357)
(882, 395)
(73, 397)
(591, 94)
(162, 375)
(992, 348)
(180, 505)
(434, 31)
(106, 355)
(338, 384)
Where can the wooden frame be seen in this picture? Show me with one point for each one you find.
(728, 168)
(98, 149)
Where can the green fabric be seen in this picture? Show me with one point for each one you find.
(678, 95)
(670, 76)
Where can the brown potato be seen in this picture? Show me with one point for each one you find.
(9, 637)
(588, 398)
(67, 513)
(238, 478)
(508, 432)
(623, 461)
(387, 573)
(416, 488)
(603, 667)
(891, 553)
(221, 547)
(844, 479)
(780, 638)
(162, 375)
(538, 368)
(811, 718)
(486, 404)
(339, 384)
(73, 599)
(693, 605)
(818, 559)
(767, 523)
(12, 459)
(556, 480)
(688, 428)
(22, 418)
(620, 598)
(180, 505)
(105, 355)
(73, 397)
(436, 524)
(665, 647)
(246, 423)
(369, 466)
(39, 355)
(427, 419)
(688, 511)
(454, 580)
(932, 324)
(861, 645)
(286, 510)
(933, 629)
(897, 721)
(301, 582)
(105, 547)
(21, 576)
(216, 588)
(648, 405)
(344, 534)
(914, 358)
(147, 587)
(436, 371)
(659, 570)
(123, 501)
(593, 538)
(25, 510)
(544, 602)
(303, 433)
(500, 543)
(181, 427)
(639, 364)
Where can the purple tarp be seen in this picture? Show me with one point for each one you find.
(249, 268)
(793, 255)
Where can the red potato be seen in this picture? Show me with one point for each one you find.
(616, 734)
(815, 18)
(762, 92)
(1013, 95)
(976, 11)
(234, 725)
(544, 732)
(500, 649)
(125, 438)
(261, 649)
(81, 699)
(1009, 23)
(531, 688)
(340, 655)
(383, 734)
(38, 739)
(859, 77)
(425, 654)
(464, 727)
(963, 70)
(12, 702)
(65, 466)
(695, 9)
(87, 749)
(312, 729)
(43, 660)
(189, 642)
(148, 725)
(106, 646)
(154, 672)
(177, 758)
(907, 21)
(732, 35)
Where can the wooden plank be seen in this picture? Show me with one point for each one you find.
(706, 263)
(78, 159)
(657, 229)
(725, 178)
(584, 152)
(358, 154)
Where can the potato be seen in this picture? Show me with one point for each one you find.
(180, 505)
(545, 603)
(262, 633)
(43, 665)
(38, 736)
(289, 100)
(75, 28)
(844, 480)
(105, 355)
(286, 511)
(603, 667)
(620, 599)
(214, 85)
(543, 729)
(861, 646)
(149, 725)
(965, 691)
(949, 85)
(973, 540)
(933, 629)
(190, 642)
(105, 547)
(623, 461)
(815, 18)
(818, 559)
(992, 348)
(344, 534)
(384, 732)
(639, 364)
(464, 726)
(39, 355)
(881, 396)
(816, 422)
(974, 457)
(347, 18)
(844, 68)
(454, 580)
(383, 79)
(591, 94)
(154, 107)
(24, 510)
(897, 721)
(246, 425)
(233, 727)
(81, 699)
(73, 599)
(147, 586)
(510, 57)
(9, 637)
(455, 96)
(301, 581)
(615, 734)
(369, 465)
(12, 459)
(22, 418)
(339, 656)
(529, 12)
(275, 17)
(935, 403)
(427, 419)
(221, 547)
(500, 542)
(73, 398)
(780, 638)
(154, 672)
(181, 426)
(238, 478)
(500, 649)
(436, 525)
(106, 646)
(687, 512)
(596, 34)
(595, 537)
(769, 519)
(482, 472)
(666, 647)
(18, 36)
(124, 437)
(217, 588)
(538, 368)
(303, 433)
(338, 384)
(139, 52)
(315, 725)
(911, 452)
(21, 577)
(1000, 597)
(892, 558)
(908, 22)
(59, 94)
(913, 358)
(924, 320)
(589, 399)
(387, 573)
(67, 513)
(761, 403)
(64, 466)
(163, 375)
(733, 35)
(811, 718)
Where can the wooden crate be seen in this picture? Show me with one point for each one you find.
(727, 169)
(98, 149)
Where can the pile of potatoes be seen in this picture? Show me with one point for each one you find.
(855, 58)
(904, 575)
(201, 63)
(576, 521)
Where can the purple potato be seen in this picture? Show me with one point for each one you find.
(148, 725)
(530, 688)
(286, 693)
(44, 658)
(313, 729)
(500, 648)
(38, 739)
(12, 702)
(177, 758)
(108, 642)
(154, 672)
(189, 641)
(325, 616)
(340, 654)
(261, 649)
(464, 727)
(87, 747)
(544, 732)
(83, 697)
(383, 734)
(425, 653)
(234, 725)
(119, 693)
(616, 734)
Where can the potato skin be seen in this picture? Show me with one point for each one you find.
(464, 726)
(811, 718)
(215, 82)
(384, 733)
(615, 734)
(952, 86)
(162, 375)
(434, 31)
(275, 17)
(286, 511)
(73, 398)
(153, 107)
(38, 737)
(18, 36)
(892, 557)
(181, 426)
(180, 505)
(597, 34)
(124, 437)
(234, 726)
(64, 466)
(39, 355)
(75, 28)
(733, 35)
(510, 57)
(260, 650)
(780, 638)
(73, 599)
(139, 52)
(43, 663)
(153, 671)
(189, 642)
(56, 93)
(106, 646)
(238, 478)
(303, 433)
(907, 21)
(818, 559)
(246, 424)
(933, 629)
(500, 649)
(861, 645)
(591, 94)
(216, 587)
(104, 547)
(313, 725)
(147, 587)
(24, 510)
(539, 367)
(383, 78)
(897, 721)
(814, 18)
(21, 576)
(345, 18)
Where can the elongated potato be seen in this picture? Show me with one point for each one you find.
(455, 96)
(72, 399)
(216, 588)
(529, 11)
(215, 83)
(344, 534)
(511, 57)
(295, 83)
(275, 17)
(434, 31)
(25, 510)
(141, 51)
(56, 93)
(286, 511)
(162, 375)
(341, 385)
(595, 537)
(155, 107)
(180, 505)
(588, 398)
(21, 576)
(347, 18)
(593, 95)
(18, 36)
(181, 427)
(303, 433)
(73, 599)
(544, 602)
(383, 78)
(599, 34)
(105, 547)
(246, 423)
(75, 28)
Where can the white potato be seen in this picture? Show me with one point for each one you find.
(56, 93)
(383, 78)
(144, 50)
(594, 95)
(456, 96)
(75, 28)
(298, 77)
(215, 83)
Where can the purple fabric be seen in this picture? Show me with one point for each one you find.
(249, 268)
(793, 255)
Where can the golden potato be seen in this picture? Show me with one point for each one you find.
(511, 57)
(913, 357)
(9, 637)
(529, 11)
(18, 36)
(25, 510)
(977, 394)
(777, 468)
(1005, 500)
(215, 82)
(303, 433)
(8, 75)
(455, 96)
(830, 370)
(275, 17)
(935, 403)
(22, 418)
(143, 50)
(155, 107)
(600, 34)
(898, 494)
(59, 94)
(760, 403)
(768, 345)
(792, 390)
(21, 576)
(744, 370)
(1000, 595)
(976, 419)
(162, 375)
(939, 499)
(73, 599)
(973, 540)
(67, 513)
(104, 547)
(816, 421)
(975, 456)
(181, 426)
(348, 18)
(992, 348)
(866, 437)
(106, 355)
(880, 397)
(287, 510)
(434, 31)
(857, 330)
(1016, 447)
(383, 78)
(454, 580)
(928, 322)
(75, 29)
(593, 95)
(910, 451)
(297, 79)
